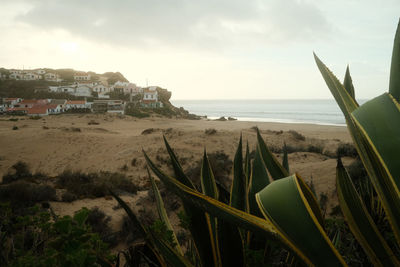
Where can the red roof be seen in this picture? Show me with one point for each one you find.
(34, 101)
(17, 109)
(38, 110)
(11, 99)
(52, 106)
(76, 102)
(80, 74)
(147, 90)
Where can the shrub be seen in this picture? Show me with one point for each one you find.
(315, 148)
(346, 150)
(68, 197)
(35, 117)
(13, 119)
(19, 170)
(94, 184)
(22, 192)
(147, 131)
(15, 127)
(93, 122)
(296, 135)
(38, 241)
(210, 131)
(99, 223)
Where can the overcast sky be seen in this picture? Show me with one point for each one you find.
(209, 49)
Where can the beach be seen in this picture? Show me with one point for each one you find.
(93, 143)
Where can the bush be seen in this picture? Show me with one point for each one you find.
(315, 148)
(22, 192)
(38, 241)
(99, 223)
(296, 135)
(19, 170)
(210, 131)
(94, 184)
(15, 127)
(147, 131)
(346, 150)
(93, 122)
(68, 197)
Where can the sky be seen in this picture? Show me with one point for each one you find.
(209, 49)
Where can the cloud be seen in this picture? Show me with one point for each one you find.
(202, 24)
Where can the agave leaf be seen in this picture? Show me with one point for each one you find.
(348, 83)
(227, 213)
(198, 220)
(360, 222)
(180, 175)
(208, 184)
(276, 170)
(163, 213)
(372, 161)
(143, 230)
(289, 203)
(209, 188)
(259, 180)
(394, 83)
(379, 120)
(247, 171)
(238, 189)
(172, 256)
(131, 215)
(285, 161)
(230, 243)
(345, 101)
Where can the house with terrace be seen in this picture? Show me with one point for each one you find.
(150, 98)
(81, 76)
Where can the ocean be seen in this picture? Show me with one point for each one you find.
(314, 111)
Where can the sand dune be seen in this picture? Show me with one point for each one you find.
(56, 143)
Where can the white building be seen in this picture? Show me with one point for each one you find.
(100, 88)
(81, 76)
(62, 89)
(75, 104)
(83, 90)
(16, 76)
(30, 76)
(51, 77)
(150, 94)
(126, 88)
(40, 71)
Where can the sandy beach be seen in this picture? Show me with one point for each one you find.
(93, 143)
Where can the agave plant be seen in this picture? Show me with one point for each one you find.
(267, 204)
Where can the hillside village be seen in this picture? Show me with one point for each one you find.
(82, 91)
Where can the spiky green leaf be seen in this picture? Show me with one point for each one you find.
(163, 213)
(238, 189)
(348, 83)
(285, 160)
(394, 83)
(289, 203)
(276, 170)
(360, 222)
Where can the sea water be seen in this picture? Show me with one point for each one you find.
(314, 111)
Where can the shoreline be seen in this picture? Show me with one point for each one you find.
(247, 119)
